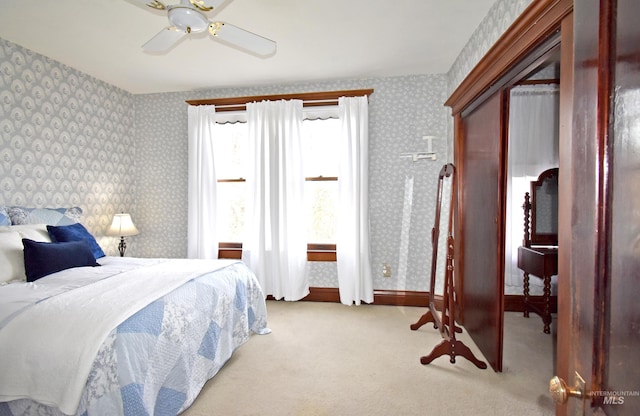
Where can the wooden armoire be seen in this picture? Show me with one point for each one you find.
(599, 205)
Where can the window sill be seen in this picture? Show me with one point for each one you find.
(315, 252)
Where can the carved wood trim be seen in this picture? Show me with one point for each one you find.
(311, 99)
(536, 23)
(551, 81)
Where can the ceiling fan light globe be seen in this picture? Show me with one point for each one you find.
(188, 19)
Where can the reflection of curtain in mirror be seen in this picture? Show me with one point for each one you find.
(533, 148)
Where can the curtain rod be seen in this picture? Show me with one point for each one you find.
(309, 99)
(538, 81)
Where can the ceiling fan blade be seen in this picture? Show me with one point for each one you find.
(152, 5)
(207, 5)
(164, 40)
(241, 38)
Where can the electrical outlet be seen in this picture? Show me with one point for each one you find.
(386, 270)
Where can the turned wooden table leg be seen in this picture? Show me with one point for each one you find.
(547, 305)
(526, 294)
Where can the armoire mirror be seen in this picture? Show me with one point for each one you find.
(441, 231)
(544, 209)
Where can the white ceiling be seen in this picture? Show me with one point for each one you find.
(317, 40)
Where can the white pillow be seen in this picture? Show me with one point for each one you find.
(35, 232)
(11, 257)
(12, 250)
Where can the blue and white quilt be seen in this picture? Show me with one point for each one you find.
(150, 359)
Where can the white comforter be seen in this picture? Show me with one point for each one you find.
(85, 306)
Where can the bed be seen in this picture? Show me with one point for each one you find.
(114, 335)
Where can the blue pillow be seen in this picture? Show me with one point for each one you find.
(42, 259)
(75, 232)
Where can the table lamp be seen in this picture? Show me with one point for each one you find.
(122, 226)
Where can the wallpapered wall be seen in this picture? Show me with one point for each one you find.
(69, 139)
(66, 139)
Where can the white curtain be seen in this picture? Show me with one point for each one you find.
(202, 239)
(355, 280)
(533, 148)
(275, 246)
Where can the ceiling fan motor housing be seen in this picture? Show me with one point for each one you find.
(187, 19)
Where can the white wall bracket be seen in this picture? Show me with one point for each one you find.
(428, 154)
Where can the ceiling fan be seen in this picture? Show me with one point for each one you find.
(189, 17)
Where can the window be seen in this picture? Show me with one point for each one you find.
(320, 138)
(230, 151)
(320, 141)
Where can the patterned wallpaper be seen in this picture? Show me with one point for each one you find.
(70, 139)
(66, 139)
(501, 15)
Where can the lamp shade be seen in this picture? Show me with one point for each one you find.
(122, 226)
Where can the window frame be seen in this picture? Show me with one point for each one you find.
(315, 252)
(309, 99)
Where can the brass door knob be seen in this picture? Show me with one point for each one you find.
(560, 391)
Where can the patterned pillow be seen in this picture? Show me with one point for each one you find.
(49, 216)
(4, 216)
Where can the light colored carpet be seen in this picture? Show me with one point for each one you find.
(329, 359)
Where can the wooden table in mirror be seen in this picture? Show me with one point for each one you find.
(538, 255)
